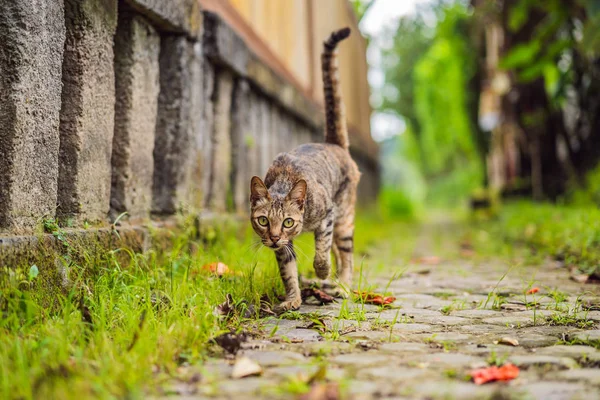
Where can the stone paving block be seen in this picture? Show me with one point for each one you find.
(454, 360)
(177, 149)
(241, 146)
(32, 36)
(220, 157)
(589, 375)
(575, 351)
(275, 358)
(526, 361)
(558, 391)
(172, 15)
(87, 112)
(593, 336)
(362, 359)
(137, 48)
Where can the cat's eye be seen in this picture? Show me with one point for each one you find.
(288, 223)
(263, 221)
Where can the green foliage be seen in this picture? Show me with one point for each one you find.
(589, 194)
(395, 204)
(427, 75)
(441, 79)
(361, 7)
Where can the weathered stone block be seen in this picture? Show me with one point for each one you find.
(137, 47)
(32, 35)
(264, 131)
(208, 88)
(241, 146)
(253, 139)
(181, 16)
(178, 126)
(222, 45)
(220, 160)
(87, 113)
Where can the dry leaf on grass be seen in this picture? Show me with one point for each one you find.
(506, 372)
(318, 294)
(244, 367)
(231, 341)
(374, 298)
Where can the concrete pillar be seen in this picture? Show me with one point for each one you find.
(137, 47)
(208, 87)
(32, 35)
(266, 157)
(87, 113)
(220, 162)
(178, 124)
(241, 146)
(254, 165)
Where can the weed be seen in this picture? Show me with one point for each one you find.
(496, 360)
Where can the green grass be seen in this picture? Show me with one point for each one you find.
(567, 233)
(128, 321)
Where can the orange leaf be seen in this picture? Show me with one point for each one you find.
(506, 372)
(533, 290)
(428, 260)
(374, 298)
(217, 268)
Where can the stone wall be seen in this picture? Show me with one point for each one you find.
(149, 107)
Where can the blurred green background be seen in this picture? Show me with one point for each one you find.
(481, 100)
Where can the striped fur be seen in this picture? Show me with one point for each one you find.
(335, 118)
(313, 188)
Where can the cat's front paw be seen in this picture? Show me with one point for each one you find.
(288, 305)
(322, 268)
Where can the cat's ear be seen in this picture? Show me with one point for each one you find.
(298, 193)
(258, 191)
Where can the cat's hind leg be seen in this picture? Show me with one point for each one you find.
(323, 241)
(288, 269)
(344, 242)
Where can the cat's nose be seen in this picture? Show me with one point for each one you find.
(274, 239)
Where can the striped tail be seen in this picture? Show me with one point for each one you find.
(335, 118)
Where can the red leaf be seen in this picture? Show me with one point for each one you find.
(506, 372)
(533, 290)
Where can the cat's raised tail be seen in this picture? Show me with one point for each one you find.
(335, 116)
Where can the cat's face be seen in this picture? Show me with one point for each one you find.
(277, 219)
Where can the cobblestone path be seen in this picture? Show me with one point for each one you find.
(450, 316)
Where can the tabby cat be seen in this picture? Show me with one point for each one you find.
(311, 189)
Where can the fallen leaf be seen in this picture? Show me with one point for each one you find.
(509, 341)
(244, 367)
(374, 298)
(231, 341)
(533, 290)
(506, 372)
(318, 294)
(217, 268)
(225, 309)
(322, 391)
(428, 260)
(577, 276)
